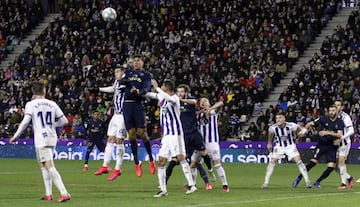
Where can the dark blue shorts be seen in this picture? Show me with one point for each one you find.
(328, 150)
(134, 115)
(194, 141)
(99, 143)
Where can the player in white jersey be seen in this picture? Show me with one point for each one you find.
(116, 130)
(344, 148)
(284, 134)
(208, 127)
(172, 142)
(43, 114)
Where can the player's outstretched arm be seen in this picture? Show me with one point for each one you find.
(217, 105)
(109, 89)
(189, 101)
(151, 95)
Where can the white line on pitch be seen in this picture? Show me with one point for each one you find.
(263, 200)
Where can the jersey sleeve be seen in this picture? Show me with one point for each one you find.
(293, 126)
(271, 129)
(28, 109)
(146, 84)
(347, 122)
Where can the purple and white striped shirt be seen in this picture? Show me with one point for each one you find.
(169, 112)
(119, 96)
(208, 127)
(284, 136)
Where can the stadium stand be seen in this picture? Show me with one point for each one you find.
(232, 51)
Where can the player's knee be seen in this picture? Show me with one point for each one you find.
(314, 161)
(216, 162)
(119, 141)
(331, 164)
(162, 161)
(132, 134)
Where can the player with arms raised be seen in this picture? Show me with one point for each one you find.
(172, 143)
(43, 114)
(208, 127)
(284, 134)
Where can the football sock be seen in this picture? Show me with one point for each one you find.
(170, 168)
(119, 156)
(47, 181)
(186, 170)
(56, 178)
(207, 161)
(221, 172)
(134, 150)
(343, 173)
(325, 174)
(148, 150)
(108, 152)
(194, 174)
(269, 172)
(162, 178)
(303, 171)
(310, 165)
(88, 151)
(203, 173)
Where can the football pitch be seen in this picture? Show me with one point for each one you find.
(21, 185)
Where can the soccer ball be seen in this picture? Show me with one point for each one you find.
(108, 14)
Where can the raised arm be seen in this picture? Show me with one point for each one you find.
(217, 105)
(189, 101)
(166, 96)
(109, 89)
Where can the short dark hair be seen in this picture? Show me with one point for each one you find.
(169, 84)
(38, 88)
(281, 113)
(138, 56)
(185, 87)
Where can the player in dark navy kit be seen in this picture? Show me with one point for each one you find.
(330, 130)
(95, 133)
(138, 83)
(194, 141)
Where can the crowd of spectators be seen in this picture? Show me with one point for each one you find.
(234, 51)
(17, 18)
(332, 75)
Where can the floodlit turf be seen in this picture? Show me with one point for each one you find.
(21, 185)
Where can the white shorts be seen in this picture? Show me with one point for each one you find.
(117, 127)
(171, 146)
(196, 157)
(44, 154)
(213, 150)
(344, 150)
(291, 151)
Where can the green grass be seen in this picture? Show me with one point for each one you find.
(21, 185)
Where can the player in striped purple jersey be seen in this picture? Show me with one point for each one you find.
(285, 134)
(208, 127)
(116, 129)
(344, 148)
(172, 143)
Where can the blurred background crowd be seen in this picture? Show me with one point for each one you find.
(231, 51)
